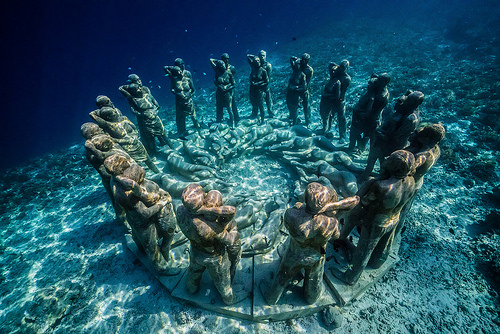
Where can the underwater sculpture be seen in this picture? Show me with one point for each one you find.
(394, 132)
(146, 108)
(148, 209)
(123, 131)
(297, 85)
(225, 58)
(259, 81)
(183, 88)
(214, 238)
(99, 146)
(267, 91)
(224, 81)
(377, 214)
(334, 104)
(305, 95)
(330, 96)
(311, 225)
(424, 146)
(366, 113)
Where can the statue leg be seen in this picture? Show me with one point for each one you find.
(269, 103)
(368, 240)
(234, 255)
(288, 269)
(234, 108)
(166, 229)
(324, 114)
(218, 268)
(307, 110)
(341, 120)
(382, 250)
(313, 281)
(219, 106)
(195, 273)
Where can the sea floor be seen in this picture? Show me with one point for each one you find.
(65, 266)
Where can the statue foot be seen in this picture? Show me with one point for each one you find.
(341, 276)
(236, 298)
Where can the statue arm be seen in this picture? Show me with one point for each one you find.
(213, 62)
(145, 212)
(123, 90)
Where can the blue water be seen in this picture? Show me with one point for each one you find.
(59, 55)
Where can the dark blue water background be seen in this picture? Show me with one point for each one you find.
(59, 55)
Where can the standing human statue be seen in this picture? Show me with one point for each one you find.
(213, 237)
(182, 87)
(377, 214)
(329, 97)
(122, 130)
(148, 209)
(305, 95)
(224, 81)
(99, 146)
(366, 113)
(145, 107)
(259, 80)
(338, 106)
(267, 90)
(297, 84)
(394, 132)
(310, 225)
(425, 147)
(225, 58)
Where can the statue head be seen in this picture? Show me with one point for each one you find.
(317, 196)
(193, 197)
(407, 103)
(399, 164)
(225, 58)
(103, 142)
(304, 60)
(262, 56)
(213, 199)
(134, 78)
(179, 63)
(135, 172)
(110, 114)
(135, 90)
(103, 101)
(89, 130)
(117, 164)
(431, 135)
(344, 65)
(220, 66)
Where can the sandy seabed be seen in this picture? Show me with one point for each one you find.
(65, 266)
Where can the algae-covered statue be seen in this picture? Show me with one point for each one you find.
(310, 225)
(305, 95)
(183, 88)
(99, 146)
(225, 58)
(394, 133)
(148, 208)
(215, 241)
(424, 146)
(123, 132)
(334, 102)
(145, 107)
(329, 97)
(259, 81)
(297, 85)
(267, 91)
(224, 81)
(366, 113)
(377, 214)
